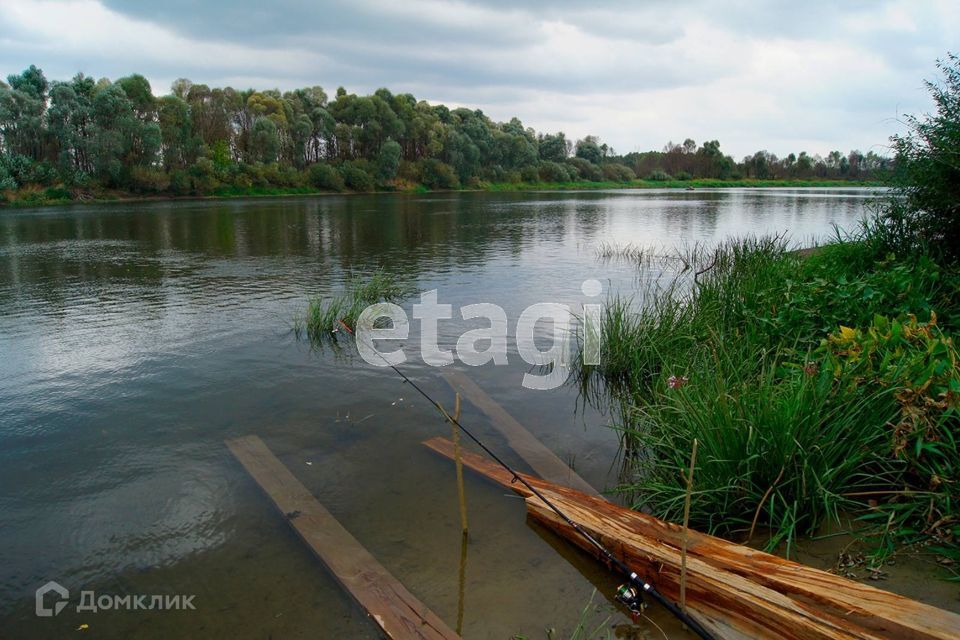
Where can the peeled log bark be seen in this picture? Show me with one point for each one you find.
(756, 593)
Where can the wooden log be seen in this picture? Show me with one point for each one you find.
(395, 610)
(757, 593)
(492, 471)
(541, 459)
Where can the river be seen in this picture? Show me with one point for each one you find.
(135, 338)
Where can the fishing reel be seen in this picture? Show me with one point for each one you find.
(629, 597)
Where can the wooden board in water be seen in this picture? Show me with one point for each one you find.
(541, 459)
(394, 609)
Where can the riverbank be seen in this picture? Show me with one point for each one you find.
(50, 196)
(815, 384)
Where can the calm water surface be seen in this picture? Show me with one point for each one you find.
(135, 338)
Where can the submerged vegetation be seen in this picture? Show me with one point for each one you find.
(86, 139)
(815, 383)
(325, 317)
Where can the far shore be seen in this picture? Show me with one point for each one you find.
(39, 197)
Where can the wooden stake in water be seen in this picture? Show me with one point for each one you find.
(459, 464)
(458, 459)
(686, 530)
(462, 582)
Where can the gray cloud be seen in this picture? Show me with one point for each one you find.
(753, 74)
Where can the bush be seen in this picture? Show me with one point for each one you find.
(25, 170)
(920, 365)
(928, 175)
(659, 176)
(204, 174)
(846, 284)
(682, 175)
(553, 172)
(180, 182)
(616, 172)
(529, 173)
(585, 169)
(497, 173)
(277, 175)
(6, 180)
(148, 180)
(57, 193)
(438, 175)
(356, 178)
(323, 176)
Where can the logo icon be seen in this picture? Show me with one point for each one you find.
(60, 590)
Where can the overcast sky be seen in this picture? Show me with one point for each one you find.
(779, 75)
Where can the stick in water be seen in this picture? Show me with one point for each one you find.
(686, 530)
(459, 463)
(462, 582)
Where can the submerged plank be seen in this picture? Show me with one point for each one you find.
(759, 594)
(395, 610)
(541, 459)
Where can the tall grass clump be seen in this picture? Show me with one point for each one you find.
(321, 322)
(760, 354)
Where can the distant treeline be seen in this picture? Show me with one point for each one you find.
(86, 134)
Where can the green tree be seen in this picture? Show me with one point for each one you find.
(22, 108)
(589, 150)
(554, 147)
(928, 178)
(388, 162)
(178, 145)
(265, 141)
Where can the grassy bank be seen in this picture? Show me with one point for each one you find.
(41, 197)
(814, 385)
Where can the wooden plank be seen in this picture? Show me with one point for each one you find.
(395, 610)
(492, 471)
(541, 459)
(760, 594)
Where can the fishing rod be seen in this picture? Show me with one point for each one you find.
(630, 595)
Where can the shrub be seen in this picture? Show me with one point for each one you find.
(497, 173)
(553, 172)
(919, 364)
(180, 182)
(6, 180)
(277, 175)
(323, 176)
(148, 180)
(585, 169)
(204, 174)
(25, 170)
(659, 176)
(529, 173)
(616, 172)
(57, 193)
(682, 175)
(355, 177)
(928, 176)
(438, 175)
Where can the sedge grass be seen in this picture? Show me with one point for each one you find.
(321, 322)
(732, 355)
